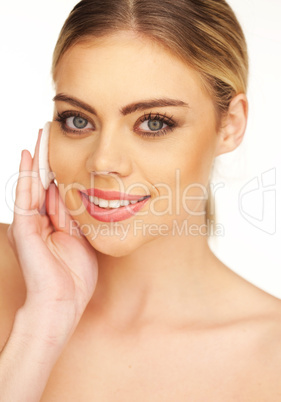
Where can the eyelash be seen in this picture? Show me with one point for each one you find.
(61, 118)
(171, 124)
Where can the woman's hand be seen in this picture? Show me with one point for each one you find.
(60, 272)
(59, 267)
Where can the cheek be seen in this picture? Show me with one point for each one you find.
(191, 158)
(199, 158)
(67, 160)
(183, 173)
(64, 159)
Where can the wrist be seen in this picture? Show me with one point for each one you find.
(29, 356)
(42, 327)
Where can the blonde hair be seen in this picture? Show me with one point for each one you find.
(204, 33)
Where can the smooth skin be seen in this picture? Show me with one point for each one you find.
(164, 320)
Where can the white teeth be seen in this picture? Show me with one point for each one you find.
(124, 203)
(112, 203)
(103, 203)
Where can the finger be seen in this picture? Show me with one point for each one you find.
(37, 190)
(35, 166)
(23, 223)
(59, 214)
(23, 190)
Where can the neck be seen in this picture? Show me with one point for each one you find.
(159, 280)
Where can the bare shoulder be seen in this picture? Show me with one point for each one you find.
(256, 308)
(266, 351)
(269, 320)
(12, 288)
(260, 329)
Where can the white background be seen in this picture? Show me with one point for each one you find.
(28, 32)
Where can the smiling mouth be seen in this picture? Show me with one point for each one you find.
(112, 204)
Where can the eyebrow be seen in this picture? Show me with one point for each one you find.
(148, 104)
(131, 108)
(74, 102)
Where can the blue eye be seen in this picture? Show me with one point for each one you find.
(74, 123)
(153, 125)
(77, 122)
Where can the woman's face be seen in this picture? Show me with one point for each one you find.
(129, 107)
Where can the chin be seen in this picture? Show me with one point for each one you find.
(114, 246)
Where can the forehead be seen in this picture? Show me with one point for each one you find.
(128, 67)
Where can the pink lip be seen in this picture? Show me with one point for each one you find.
(112, 214)
(111, 195)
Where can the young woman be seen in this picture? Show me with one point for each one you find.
(109, 291)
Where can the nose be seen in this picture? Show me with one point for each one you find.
(110, 154)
